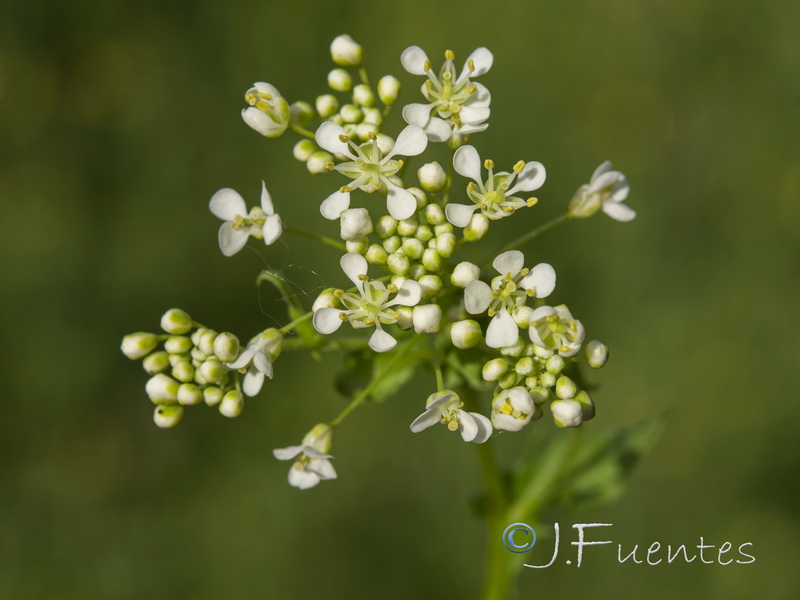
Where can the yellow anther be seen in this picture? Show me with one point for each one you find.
(371, 135)
(345, 189)
(507, 276)
(573, 325)
(392, 288)
(472, 89)
(551, 318)
(506, 409)
(564, 349)
(508, 209)
(470, 186)
(531, 292)
(427, 66)
(265, 96)
(519, 166)
(369, 322)
(471, 64)
(362, 277)
(400, 163)
(338, 293)
(263, 106)
(532, 202)
(453, 425)
(449, 55)
(329, 165)
(343, 138)
(376, 187)
(343, 316)
(535, 323)
(429, 85)
(524, 271)
(488, 163)
(491, 312)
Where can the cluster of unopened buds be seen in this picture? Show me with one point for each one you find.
(493, 317)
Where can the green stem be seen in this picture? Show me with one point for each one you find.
(301, 130)
(289, 326)
(437, 367)
(362, 74)
(320, 238)
(532, 234)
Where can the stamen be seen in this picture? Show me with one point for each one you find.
(426, 65)
(532, 202)
(329, 165)
(491, 312)
(392, 288)
(343, 138)
(551, 318)
(488, 164)
(345, 189)
(371, 135)
(519, 166)
(524, 271)
(343, 316)
(453, 425)
(564, 349)
(362, 277)
(338, 293)
(449, 55)
(471, 64)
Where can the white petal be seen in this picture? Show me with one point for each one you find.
(509, 262)
(482, 59)
(481, 96)
(460, 214)
(409, 294)
(413, 60)
(312, 452)
(604, 180)
(326, 320)
(260, 122)
(287, 453)
(619, 211)
(620, 190)
(273, 228)
(252, 382)
(533, 333)
(473, 115)
(244, 358)
(266, 200)
(381, 341)
(468, 425)
(334, 205)
(400, 203)
(467, 162)
(542, 277)
(302, 479)
(265, 88)
(468, 129)
(438, 130)
(603, 168)
(427, 419)
(417, 114)
(502, 331)
(542, 312)
(327, 137)
(323, 468)
(226, 204)
(354, 265)
(262, 363)
(411, 141)
(484, 428)
(231, 239)
(532, 177)
(477, 297)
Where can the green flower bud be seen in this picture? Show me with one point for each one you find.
(515, 349)
(376, 255)
(189, 394)
(407, 227)
(522, 316)
(340, 80)
(494, 369)
(464, 274)
(301, 112)
(465, 334)
(183, 371)
(372, 116)
(434, 215)
(566, 413)
(392, 244)
(346, 52)
(273, 339)
(547, 380)
(443, 228)
(416, 271)
(432, 177)
(420, 196)
(388, 89)
(525, 366)
(206, 344)
(406, 320)
(212, 370)
(539, 394)
(318, 162)
(413, 248)
(232, 404)
(156, 362)
(162, 389)
(565, 388)
(197, 356)
(477, 228)
(587, 406)
(167, 416)
(327, 105)
(176, 321)
(555, 364)
(359, 246)
(398, 263)
(355, 224)
(432, 260)
(320, 437)
(226, 347)
(385, 227)
(351, 113)
(508, 380)
(363, 95)
(596, 354)
(138, 345)
(178, 344)
(385, 144)
(423, 233)
(446, 244)
(212, 395)
(327, 299)
(174, 359)
(431, 286)
(427, 318)
(542, 352)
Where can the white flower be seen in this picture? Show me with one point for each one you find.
(260, 222)
(462, 105)
(512, 409)
(508, 290)
(370, 306)
(259, 355)
(269, 112)
(311, 462)
(426, 318)
(555, 329)
(370, 168)
(567, 413)
(606, 190)
(445, 407)
(346, 52)
(355, 224)
(494, 196)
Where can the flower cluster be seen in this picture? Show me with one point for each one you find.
(486, 318)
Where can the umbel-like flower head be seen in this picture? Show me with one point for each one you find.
(269, 111)
(311, 462)
(258, 357)
(445, 407)
(508, 291)
(493, 196)
(606, 191)
(261, 222)
(370, 306)
(554, 328)
(457, 105)
(369, 168)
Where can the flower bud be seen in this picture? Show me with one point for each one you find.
(565, 388)
(226, 347)
(212, 370)
(162, 389)
(212, 395)
(508, 380)
(385, 227)
(359, 246)
(340, 80)
(494, 369)
(372, 116)
(514, 349)
(406, 320)
(547, 380)
(176, 321)
(138, 345)
(363, 95)
(232, 404)
(363, 130)
(301, 112)
(443, 228)
(178, 344)
(464, 273)
(465, 334)
(320, 438)
(566, 413)
(183, 371)
(423, 233)
(431, 286)
(398, 263)
(355, 224)
(345, 52)
(392, 244)
(407, 227)
(327, 105)
(416, 271)
(174, 359)
(388, 89)
(512, 409)
(432, 177)
(189, 394)
(351, 114)
(434, 214)
(446, 244)
(432, 260)
(272, 123)
(317, 163)
(477, 228)
(587, 406)
(413, 248)
(156, 362)
(596, 354)
(525, 366)
(427, 318)
(385, 143)
(206, 343)
(167, 416)
(376, 255)
(542, 352)
(554, 364)
(539, 394)
(522, 316)
(326, 299)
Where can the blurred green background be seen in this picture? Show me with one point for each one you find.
(120, 119)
